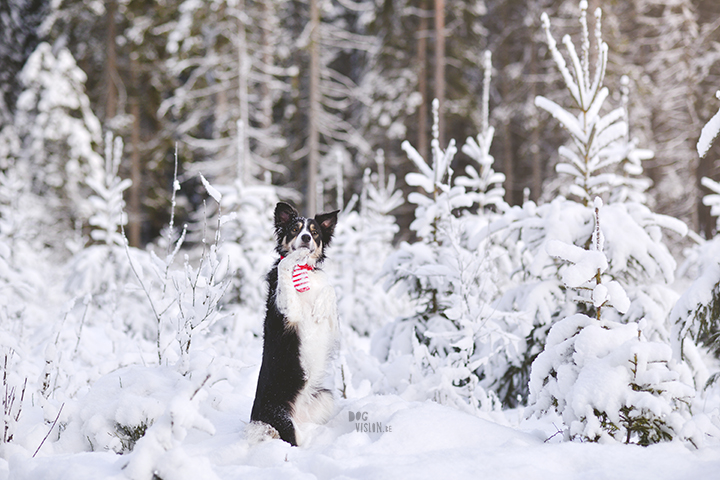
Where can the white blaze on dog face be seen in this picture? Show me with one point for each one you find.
(295, 232)
(302, 233)
(308, 237)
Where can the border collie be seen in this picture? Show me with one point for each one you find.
(300, 332)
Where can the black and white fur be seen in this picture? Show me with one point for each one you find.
(300, 332)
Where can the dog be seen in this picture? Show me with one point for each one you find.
(300, 331)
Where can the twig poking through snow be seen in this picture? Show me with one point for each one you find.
(200, 386)
(49, 431)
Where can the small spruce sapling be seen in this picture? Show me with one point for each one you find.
(100, 268)
(366, 230)
(636, 256)
(605, 378)
(444, 278)
(591, 132)
(483, 183)
(695, 318)
(100, 273)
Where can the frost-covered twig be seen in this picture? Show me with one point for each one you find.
(49, 431)
(147, 294)
(165, 265)
(87, 300)
(198, 296)
(11, 415)
(202, 384)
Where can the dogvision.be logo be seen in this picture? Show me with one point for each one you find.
(365, 425)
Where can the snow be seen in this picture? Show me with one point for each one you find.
(419, 440)
(708, 133)
(212, 191)
(122, 363)
(585, 263)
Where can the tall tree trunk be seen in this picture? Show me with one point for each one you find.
(508, 164)
(536, 166)
(135, 217)
(422, 82)
(440, 66)
(314, 140)
(111, 62)
(267, 51)
(243, 122)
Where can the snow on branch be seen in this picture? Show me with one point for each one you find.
(483, 183)
(709, 132)
(599, 141)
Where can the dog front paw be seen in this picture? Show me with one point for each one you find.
(257, 432)
(296, 257)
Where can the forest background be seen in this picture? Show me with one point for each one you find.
(524, 235)
(283, 90)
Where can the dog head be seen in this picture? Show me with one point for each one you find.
(294, 232)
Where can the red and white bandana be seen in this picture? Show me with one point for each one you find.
(300, 278)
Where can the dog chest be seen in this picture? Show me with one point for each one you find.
(312, 311)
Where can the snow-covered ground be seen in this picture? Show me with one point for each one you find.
(199, 420)
(425, 440)
(129, 364)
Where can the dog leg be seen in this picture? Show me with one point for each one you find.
(325, 308)
(287, 299)
(314, 405)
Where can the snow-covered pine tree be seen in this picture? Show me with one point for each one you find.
(436, 347)
(604, 377)
(591, 132)
(483, 183)
(696, 315)
(59, 135)
(246, 217)
(366, 230)
(100, 270)
(226, 56)
(498, 343)
(622, 352)
(418, 267)
(637, 256)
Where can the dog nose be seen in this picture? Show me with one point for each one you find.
(306, 238)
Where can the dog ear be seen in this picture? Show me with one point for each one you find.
(284, 212)
(327, 223)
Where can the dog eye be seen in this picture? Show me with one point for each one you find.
(295, 229)
(315, 233)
